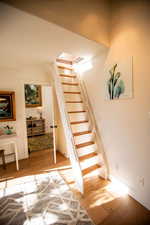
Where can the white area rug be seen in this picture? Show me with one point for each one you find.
(43, 199)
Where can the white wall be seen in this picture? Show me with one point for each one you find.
(125, 124)
(46, 108)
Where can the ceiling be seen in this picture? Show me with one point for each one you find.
(89, 18)
(27, 39)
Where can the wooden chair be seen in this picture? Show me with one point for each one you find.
(3, 158)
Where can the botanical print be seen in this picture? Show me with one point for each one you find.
(7, 107)
(118, 79)
(116, 85)
(33, 95)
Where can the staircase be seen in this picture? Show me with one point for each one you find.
(86, 146)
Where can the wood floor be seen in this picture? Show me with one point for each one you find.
(104, 205)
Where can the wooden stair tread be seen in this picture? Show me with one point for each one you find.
(64, 68)
(78, 122)
(72, 92)
(70, 84)
(74, 101)
(90, 169)
(82, 133)
(88, 156)
(68, 76)
(82, 111)
(65, 61)
(85, 144)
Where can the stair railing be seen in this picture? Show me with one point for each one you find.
(86, 100)
(71, 149)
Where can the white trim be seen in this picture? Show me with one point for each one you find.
(26, 154)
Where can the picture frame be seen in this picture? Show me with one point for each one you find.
(7, 106)
(119, 79)
(33, 95)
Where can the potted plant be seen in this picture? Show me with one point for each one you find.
(8, 129)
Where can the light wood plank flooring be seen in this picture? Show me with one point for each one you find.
(103, 205)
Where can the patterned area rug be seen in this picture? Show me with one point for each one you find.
(40, 142)
(43, 199)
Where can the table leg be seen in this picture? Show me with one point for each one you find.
(3, 159)
(16, 154)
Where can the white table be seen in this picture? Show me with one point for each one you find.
(10, 139)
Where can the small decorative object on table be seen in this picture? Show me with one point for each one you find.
(8, 130)
(39, 110)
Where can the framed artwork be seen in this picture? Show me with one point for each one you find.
(33, 97)
(7, 106)
(119, 83)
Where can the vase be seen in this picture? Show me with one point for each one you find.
(8, 131)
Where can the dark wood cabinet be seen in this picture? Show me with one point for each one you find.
(35, 127)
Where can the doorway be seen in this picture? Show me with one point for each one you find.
(39, 112)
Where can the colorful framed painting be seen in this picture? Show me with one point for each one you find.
(7, 106)
(33, 97)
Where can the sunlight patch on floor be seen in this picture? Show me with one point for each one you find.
(101, 197)
(113, 190)
(117, 188)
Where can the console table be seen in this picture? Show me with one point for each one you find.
(35, 127)
(10, 139)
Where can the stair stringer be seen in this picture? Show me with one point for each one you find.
(76, 167)
(104, 172)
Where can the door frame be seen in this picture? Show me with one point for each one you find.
(24, 115)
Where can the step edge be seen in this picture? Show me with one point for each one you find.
(82, 111)
(88, 156)
(78, 122)
(85, 144)
(93, 168)
(82, 133)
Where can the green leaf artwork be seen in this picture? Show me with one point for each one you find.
(115, 85)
